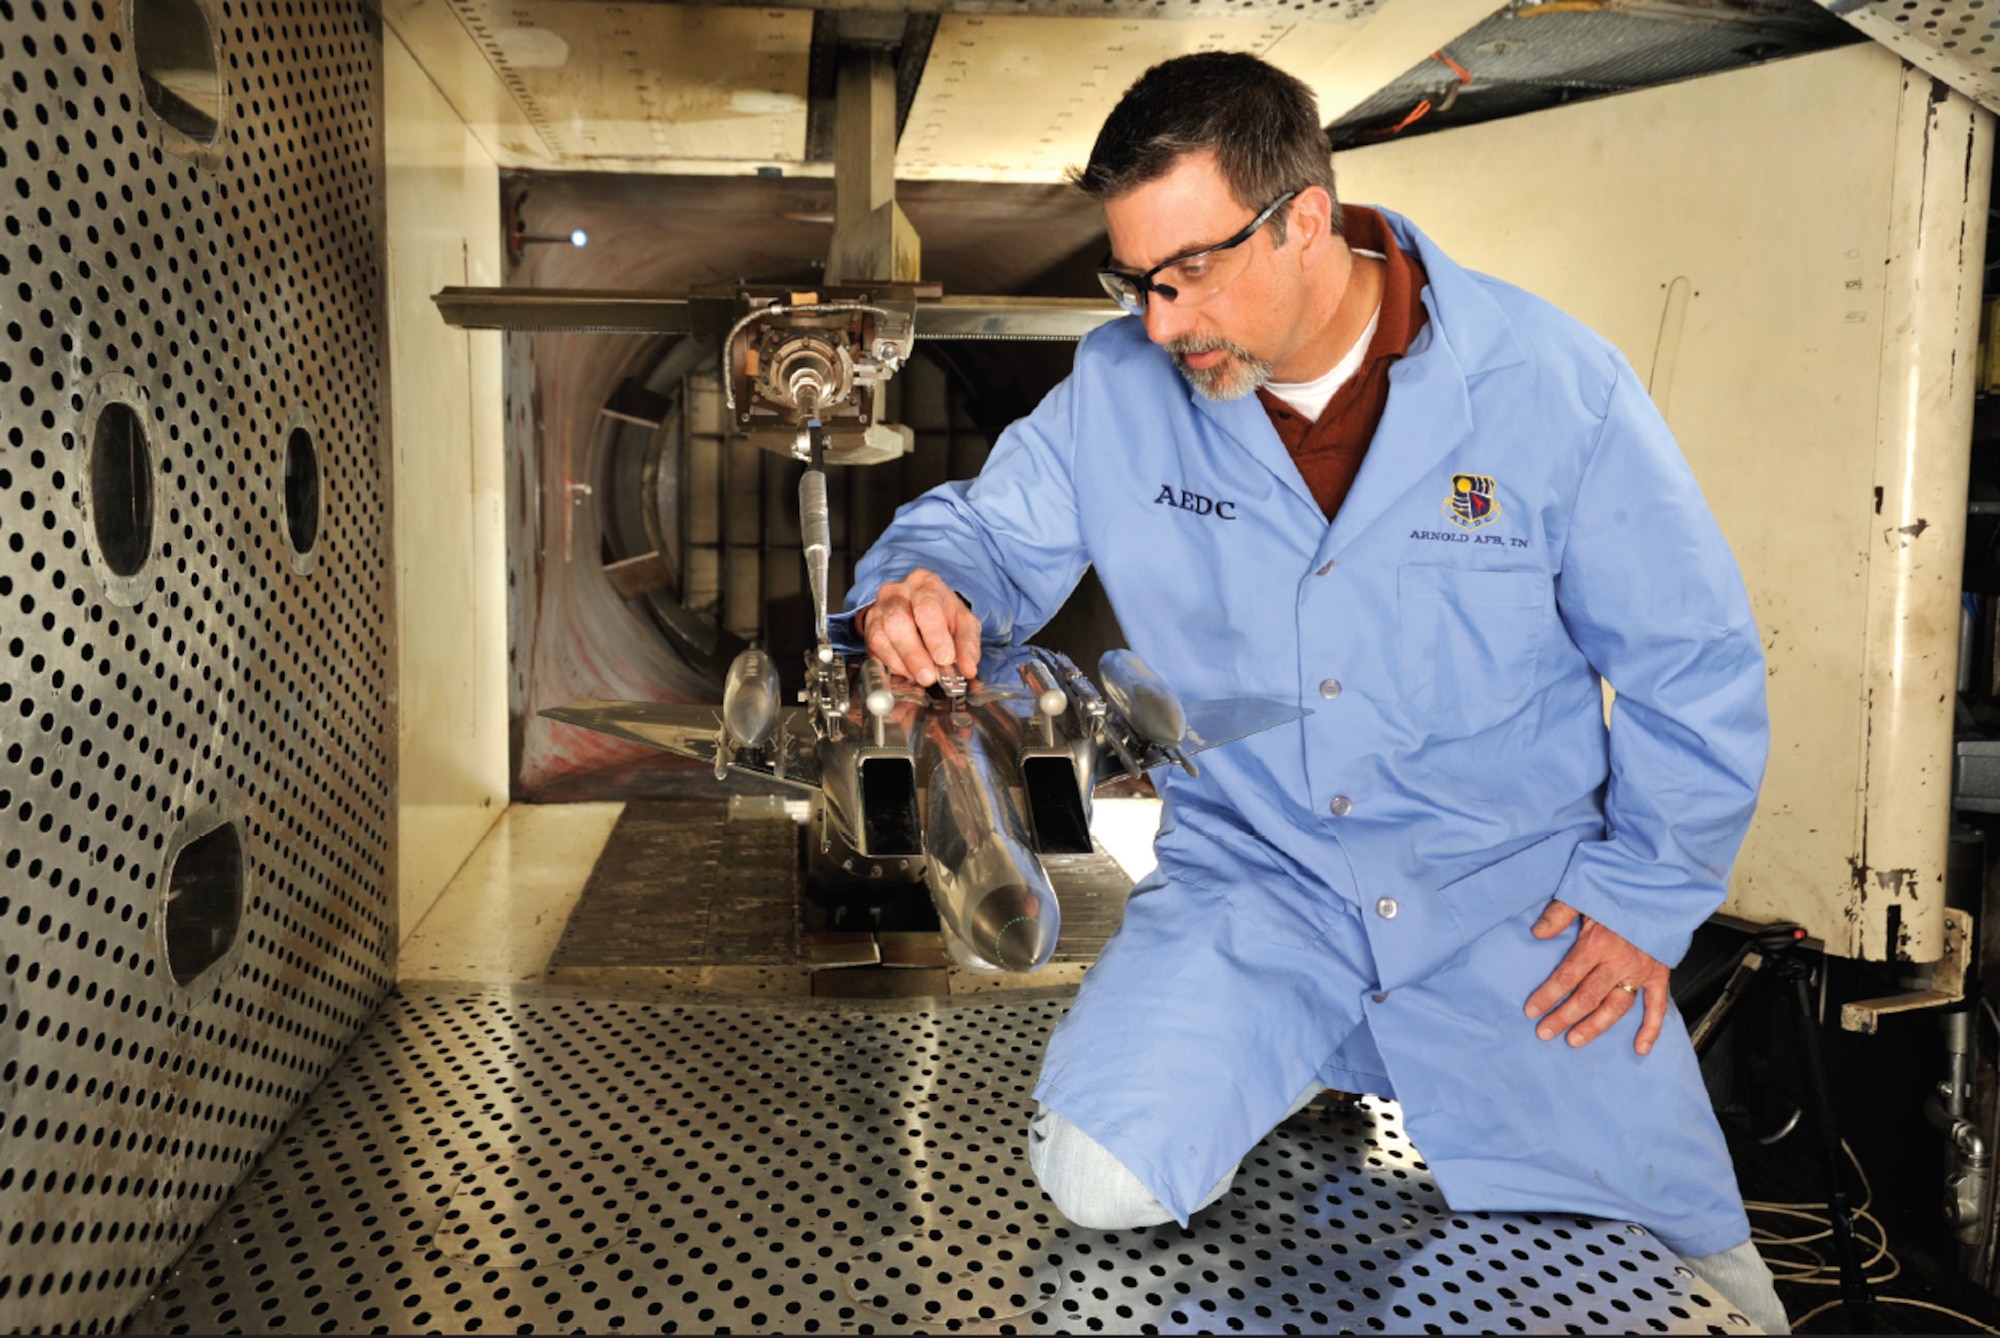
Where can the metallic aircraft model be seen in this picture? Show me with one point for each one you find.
(979, 778)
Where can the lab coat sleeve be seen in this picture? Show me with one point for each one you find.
(1009, 541)
(1650, 592)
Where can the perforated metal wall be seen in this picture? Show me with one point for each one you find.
(171, 665)
(1957, 41)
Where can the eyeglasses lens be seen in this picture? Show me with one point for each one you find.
(1187, 284)
(1198, 278)
(1123, 291)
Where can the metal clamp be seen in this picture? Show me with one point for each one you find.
(781, 309)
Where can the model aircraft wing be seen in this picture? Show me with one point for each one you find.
(693, 731)
(1211, 724)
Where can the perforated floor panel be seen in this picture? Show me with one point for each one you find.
(547, 1160)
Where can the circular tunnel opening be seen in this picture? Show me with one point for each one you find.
(301, 491)
(204, 902)
(121, 489)
(699, 529)
(175, 48)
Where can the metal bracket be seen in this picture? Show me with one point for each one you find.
(1947, 981)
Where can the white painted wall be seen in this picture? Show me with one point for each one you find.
(1790, 255)
(499, 920)
(443, 205)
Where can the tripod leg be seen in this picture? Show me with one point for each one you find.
(1718, 1012)
(1819, 1103)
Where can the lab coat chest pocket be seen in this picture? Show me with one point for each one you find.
(1470, 642)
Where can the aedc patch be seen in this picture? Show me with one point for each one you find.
(1474, 501)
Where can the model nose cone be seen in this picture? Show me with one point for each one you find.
(1014, 929)
(1024, 945)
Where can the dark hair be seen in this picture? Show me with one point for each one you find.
(1262, 124)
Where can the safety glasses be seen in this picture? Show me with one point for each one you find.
(1191, 279)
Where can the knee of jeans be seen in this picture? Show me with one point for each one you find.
(1089, 1186)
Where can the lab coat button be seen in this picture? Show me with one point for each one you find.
(1340, 806)
(1324, 570)
(1329, 688)
(1380, 998)
(1386, 908)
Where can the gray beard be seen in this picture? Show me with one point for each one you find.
(1237, 375)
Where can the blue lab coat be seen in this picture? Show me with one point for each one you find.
(1348, 899)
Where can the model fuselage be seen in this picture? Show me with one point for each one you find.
(980, 784)
(976, 781)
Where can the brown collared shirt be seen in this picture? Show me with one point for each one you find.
(1329, 450)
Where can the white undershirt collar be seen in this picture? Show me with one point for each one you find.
(1310, 398)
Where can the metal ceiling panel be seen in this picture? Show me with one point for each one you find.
(1529, 57)
(1011, 98)
(607, 84)
(1957, 41)
(1007, 98)
(1345, 64)
(605, 87)
(1011, 91)
(1014, 90)
(971, 119)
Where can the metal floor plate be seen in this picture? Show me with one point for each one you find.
(703, 895)
(554, 1159)
(700, 882)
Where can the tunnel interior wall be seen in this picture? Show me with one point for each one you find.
(732, 559)
(197, 663)
(443, 228)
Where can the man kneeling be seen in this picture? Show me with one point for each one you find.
(1451, 880)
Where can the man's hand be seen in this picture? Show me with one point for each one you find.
(919, 623)
(1590, 983)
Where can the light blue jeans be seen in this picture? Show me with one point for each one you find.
(1094, 1189)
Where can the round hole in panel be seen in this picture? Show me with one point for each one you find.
(210, 291)
(204, 901)
(119, 475)
(952, 1272)
(302, 504)
(175, 48)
